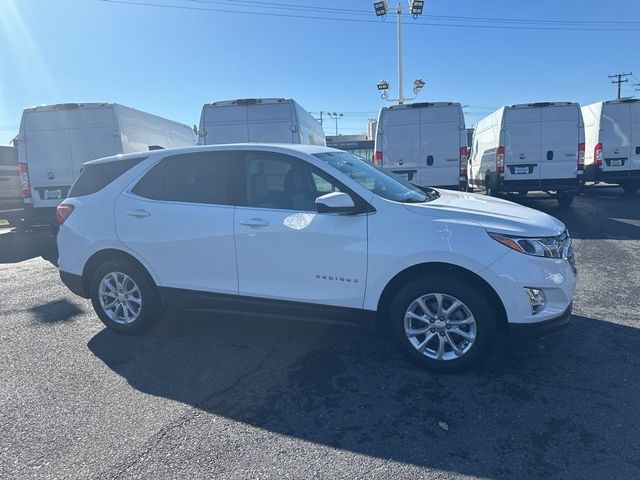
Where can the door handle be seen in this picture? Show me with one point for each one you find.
(254, 222)
(429, 160)
(138, 213)
(550, 155)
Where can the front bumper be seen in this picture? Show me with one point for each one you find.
(528, 331)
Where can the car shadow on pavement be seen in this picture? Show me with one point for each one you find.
(18, 246)
(598, 213)
(57, 311)
(564, 406)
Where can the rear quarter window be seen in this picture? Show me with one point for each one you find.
(95, 177)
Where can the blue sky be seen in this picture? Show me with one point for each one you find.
(170, 61)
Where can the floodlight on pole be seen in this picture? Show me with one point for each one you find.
(335, 116)
(380, 8)
(383, 85)
(416, 8)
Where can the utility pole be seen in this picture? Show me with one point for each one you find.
(335, 116)
(619, 80)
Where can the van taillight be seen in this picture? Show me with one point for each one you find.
(597, 154)
(580, 157)
(500, 160)
(377, 159)
(62, 212)
(464, 158)
(25, 188)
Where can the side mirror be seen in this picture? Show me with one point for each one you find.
(335, 202)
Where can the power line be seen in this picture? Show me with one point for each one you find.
(363, 20)
(292, 6)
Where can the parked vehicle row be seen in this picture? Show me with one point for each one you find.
(544, 146)
(310, 233)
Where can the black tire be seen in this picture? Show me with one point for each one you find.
(488, 187)
(630, 187)
(565, 199)
(473, 298)
(149, 311)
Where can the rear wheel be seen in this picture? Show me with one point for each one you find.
(442, 324)
(630, 187)
(489, 190)
(123, 297)
(565, 199)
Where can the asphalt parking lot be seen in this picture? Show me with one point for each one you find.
(210, 397)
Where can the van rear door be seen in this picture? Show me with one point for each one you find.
(225, 124)
(560, 136)
(92, 135)
(615, 137)
(521, 138)
(272, 123)
(401, 142)
(440, 146)
(46, 138)
(634, 161)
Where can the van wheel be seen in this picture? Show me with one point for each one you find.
(123, 297)
(442, 324)
(488, 187)
(565, 199)
(630, 187)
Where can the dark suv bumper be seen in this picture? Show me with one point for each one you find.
(528, 331)
(74, 283)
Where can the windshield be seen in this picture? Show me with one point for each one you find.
(384, 184)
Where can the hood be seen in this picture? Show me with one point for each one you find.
(494, 214)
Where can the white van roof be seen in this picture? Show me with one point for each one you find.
(248, 101)
(421, 105)
(541, 104)
(68, 106)
(622, 100)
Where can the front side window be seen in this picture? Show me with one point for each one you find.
(379, 182)
(191, 178)
(281, 182)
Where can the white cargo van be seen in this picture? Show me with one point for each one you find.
(271, 120)
(55, 140)
(529, 147)
(612, 138)
(424, 142)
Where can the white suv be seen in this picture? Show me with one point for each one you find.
(307, 232)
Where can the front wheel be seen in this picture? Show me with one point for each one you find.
(123, 297)
(443, 325)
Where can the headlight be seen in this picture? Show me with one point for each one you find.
(550, 247)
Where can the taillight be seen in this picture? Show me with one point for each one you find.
(580, 157)
(62, 212)
(500, 160)
(597, 154)
(464, 158)
(377, 159)
(25, 188)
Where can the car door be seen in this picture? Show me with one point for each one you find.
(288, 251)
(178, 218)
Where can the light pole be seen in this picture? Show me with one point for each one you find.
(336, 117)
(415, 8)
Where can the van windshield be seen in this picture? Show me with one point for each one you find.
(383, 184)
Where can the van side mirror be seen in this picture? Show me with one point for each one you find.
(335, 202)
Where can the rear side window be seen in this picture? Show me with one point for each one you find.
(192, 178)
(95, 177)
